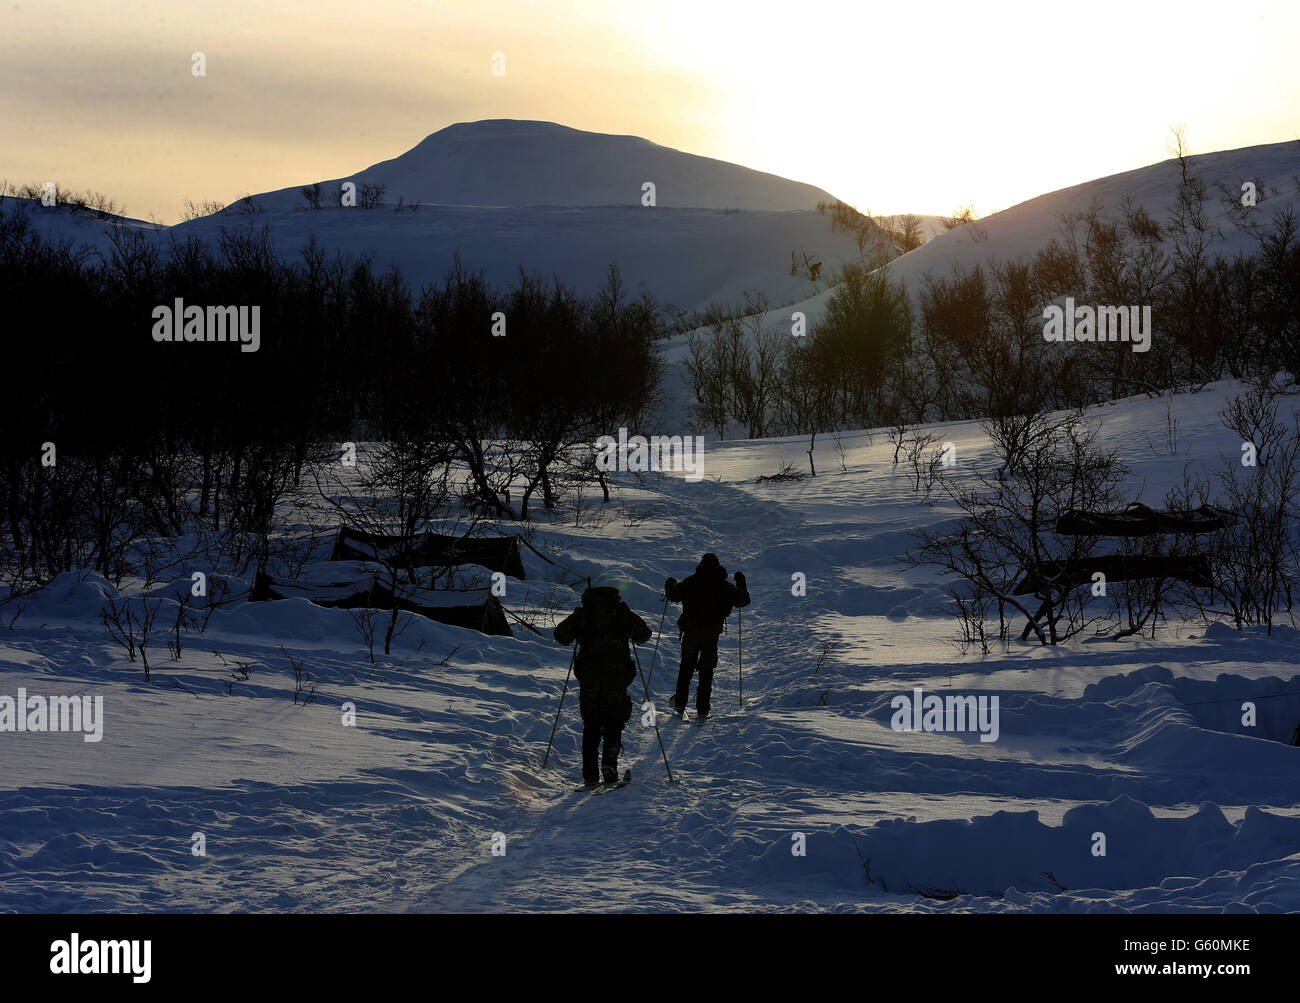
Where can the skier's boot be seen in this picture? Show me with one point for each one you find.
(590, 754)
(609, 757)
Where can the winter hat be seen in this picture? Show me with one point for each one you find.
(608, 580)
(711, 567)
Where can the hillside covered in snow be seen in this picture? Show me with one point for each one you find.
(506, 163)
(547, 199)
(1018, 232)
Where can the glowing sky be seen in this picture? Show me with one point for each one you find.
(895, 107)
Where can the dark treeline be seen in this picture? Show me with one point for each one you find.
(114, 436)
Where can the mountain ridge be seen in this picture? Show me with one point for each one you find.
(525, 163)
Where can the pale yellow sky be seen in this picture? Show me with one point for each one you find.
(912, 105)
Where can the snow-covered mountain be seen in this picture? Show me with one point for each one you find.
(1274, 169)
(1023, 229)
(507, 195)
(507, 162)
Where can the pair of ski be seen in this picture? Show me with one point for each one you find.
(609, 785)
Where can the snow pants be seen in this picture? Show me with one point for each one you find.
(699, 651)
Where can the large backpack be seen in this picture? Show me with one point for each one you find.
(603, 657)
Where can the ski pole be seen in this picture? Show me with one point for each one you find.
(658, 634)
(740, 661)
(656, 721)
(563, 693)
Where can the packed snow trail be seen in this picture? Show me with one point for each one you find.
(656, 832)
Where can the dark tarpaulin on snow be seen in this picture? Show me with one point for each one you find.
(1193, 568)
(429, 550)
(477, 609)
(1139, 520)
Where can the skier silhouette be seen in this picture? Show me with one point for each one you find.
(707, 600)
(602, 626)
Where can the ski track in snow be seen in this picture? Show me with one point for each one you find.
(399, 813)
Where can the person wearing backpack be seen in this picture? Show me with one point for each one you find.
(602, 626)
(707, 600)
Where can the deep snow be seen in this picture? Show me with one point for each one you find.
(400, 812)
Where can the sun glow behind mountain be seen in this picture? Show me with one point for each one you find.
(915, 106)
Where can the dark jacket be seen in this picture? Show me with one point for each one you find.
(602, 626)
(707, 598)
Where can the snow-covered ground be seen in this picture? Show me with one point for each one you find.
(401, 811)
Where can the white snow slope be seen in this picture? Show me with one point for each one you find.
(401, 811)
(1023, 229)
(564, 203)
